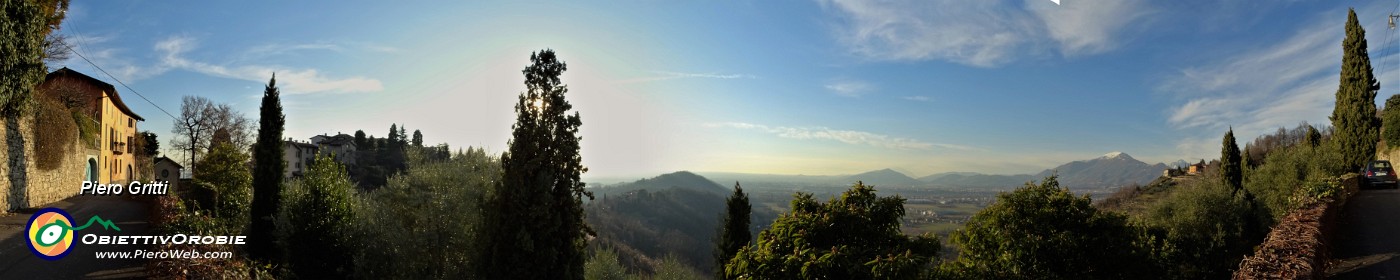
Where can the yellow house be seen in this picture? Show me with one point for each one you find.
(114, 160)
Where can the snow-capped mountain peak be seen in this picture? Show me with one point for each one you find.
(1114, 155)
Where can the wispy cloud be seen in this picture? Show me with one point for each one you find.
(850, 88)
(1258, 90)
(705, 75)
(844, 136)
(291, 81)
(669, 75)
(1279, 84)
(277, 49)
(980, 33)
(919, 98)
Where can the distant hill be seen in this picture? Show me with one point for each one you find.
(884, 178)
(976, 180)
(676, 213)
(680, 179)
(1114, 169)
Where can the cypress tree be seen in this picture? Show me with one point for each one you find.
(268, 166)
(1230, 162)
(1354, 116)
(417, 138)
(734, 229)
(1314, 137)
(534, 216)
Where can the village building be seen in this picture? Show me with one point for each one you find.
(114, 160)
(341, 147)
(167, 170)
(298, 156)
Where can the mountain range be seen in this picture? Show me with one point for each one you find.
(1114, 169)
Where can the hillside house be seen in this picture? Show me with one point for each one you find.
(341, 147)
(298, 156)
(114, 159)
(1196, 169)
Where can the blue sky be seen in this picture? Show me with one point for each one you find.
(791, 87)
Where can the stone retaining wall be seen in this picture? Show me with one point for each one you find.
(22, 183)
(1297, 247)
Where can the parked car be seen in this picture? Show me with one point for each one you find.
(1380, 174)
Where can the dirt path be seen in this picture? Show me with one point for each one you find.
(1367, 245)
(17, 262)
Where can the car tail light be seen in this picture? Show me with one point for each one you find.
(1370, 173)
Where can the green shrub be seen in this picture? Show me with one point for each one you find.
(1208, 228)
(425, 221)
(223, 186)
(320, 218)
(674, 269)
(854, 236)
(1288, 171)
(1045, 232)
(604, 265)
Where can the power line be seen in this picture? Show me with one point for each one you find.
(119, 81)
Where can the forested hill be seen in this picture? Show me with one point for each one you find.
(679, 179)
(676, 213)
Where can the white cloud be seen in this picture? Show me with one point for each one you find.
(291, 81)
(980, 33)
(844, 136)
(850, 88)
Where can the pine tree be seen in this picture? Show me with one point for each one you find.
(1230, 162)
(268, 166)
(734, 228)
(535, 215)
(1354, 116)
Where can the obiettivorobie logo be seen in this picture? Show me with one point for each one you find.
(50, 232)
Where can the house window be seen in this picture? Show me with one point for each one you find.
(130, 122)
(165, 174)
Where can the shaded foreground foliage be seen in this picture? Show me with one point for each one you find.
(855, 236)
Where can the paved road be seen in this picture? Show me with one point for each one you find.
(1367, 242)
(17, 262)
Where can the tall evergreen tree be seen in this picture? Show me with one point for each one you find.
(1314, 137)
(734, 229)
(1354, 116)
(393, 133)
(1230, 170)
(360, 139)
(417, 138)
(535, 215)
(268, 166)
